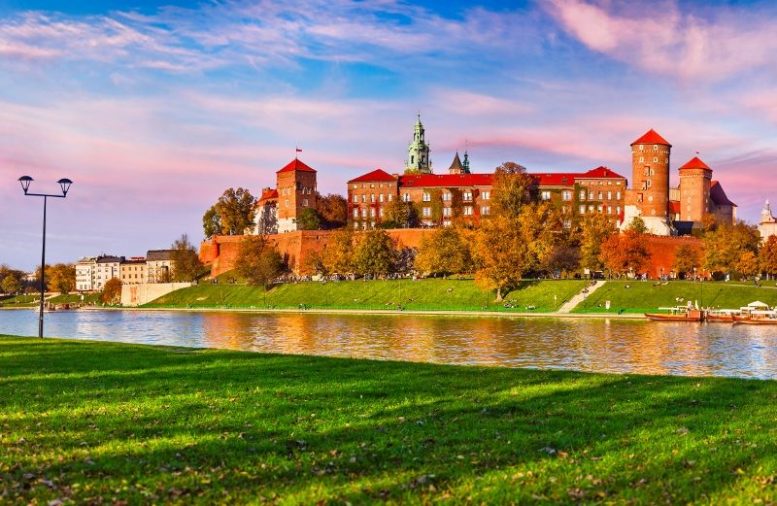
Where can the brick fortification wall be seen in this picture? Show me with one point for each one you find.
(221, 252)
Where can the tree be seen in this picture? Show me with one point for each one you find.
(59, 278)
(375, 254)
(258, 261)
(111, 293)
(595, 229)
(512, 189)
(309, 220)
(638, 225)
(625, 252)
(232, 214)
(400, 214)
(186, 263)
(768, 256)
(333, 211)
(338, 256)
(686, 260)
(747, 264)
(11, 284)
(725, 245)
(501, 253)
(541, 226)
(443, 253)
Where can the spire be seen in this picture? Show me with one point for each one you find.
(766, 214)
(418, 160)
(466, 162)
(456, 165)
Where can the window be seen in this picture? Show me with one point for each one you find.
(356, 212)
(655, 159)
(641, 147)
(590, 195)
(405, 197)
(372, 197)
(609, 209)
(446, 196)
(467, 210)
(485, 195)
(446, 211)
(582, 209)
(655, 148)
(641, 159)
(390, 198)
(545, 195)
(590, 209)
(427, 212)
(601, 196)
(617, 195)
(380, 212)
(599, 208)
(609, 195)
(566, 195)
(485, 210)
(372, 212)
(467, 196)
(364, 198)
(305, 203)
(380, 197)
(582, 194)
(427, 197)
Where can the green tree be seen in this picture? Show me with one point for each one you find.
(513, 188)
(638, 225)
(686, 260)
(400, 214)
(594, 230)
(443, 252)
(541, 226)
(11, 284)
(725, 245)
(309, 220)
(232, 214)
(111, 293)
(338, 256)
(502, 254)
(186, 263)
(333, 211)
(258, 261)
(59, 278)
(375, 254)
(767, 256)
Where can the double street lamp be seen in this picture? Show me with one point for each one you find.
(64, 184)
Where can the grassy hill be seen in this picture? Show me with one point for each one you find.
(95, 423)
(641, 296)
(427, 294)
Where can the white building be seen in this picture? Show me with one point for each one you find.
(86, 270)
(108, 267)
(768, 225)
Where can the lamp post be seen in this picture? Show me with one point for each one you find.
(64, 184)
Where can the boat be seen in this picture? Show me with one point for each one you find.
(722, 316)
(759, 318)
(676, 314)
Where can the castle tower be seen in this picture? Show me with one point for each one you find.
(418, 160)
(296, 183)
(465, 164)
(456, 166)
(695, 181)
(648, 197)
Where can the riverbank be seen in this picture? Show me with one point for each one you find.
(99, 422)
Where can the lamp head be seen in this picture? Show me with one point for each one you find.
(65, 183)
(25, 182)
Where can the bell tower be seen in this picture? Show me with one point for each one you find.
(418, 160)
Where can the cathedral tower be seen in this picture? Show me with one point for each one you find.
(648, 197)
(418, 160)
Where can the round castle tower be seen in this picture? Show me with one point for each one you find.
(649, 194)
(695, 182)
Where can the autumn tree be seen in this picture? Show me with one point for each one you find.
(686, 260)
(338, 256)
(400, 214)
(725, 245)
(595, 229)
(232, 214)
(747, 264)
(111, 293)
(767, 256)
(59, 278)
(637, 224)
(502, 254)
(375, 254)
(186, 263)
(625, 252)
(309, 220)
(541, 226)
(512, 188)
(10, 284)
(258, 261)
(332, 211)
(443, 253)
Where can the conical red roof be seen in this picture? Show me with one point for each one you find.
(297, 165)
(695, 163)
(651, 137)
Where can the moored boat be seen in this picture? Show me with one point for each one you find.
(676, 314)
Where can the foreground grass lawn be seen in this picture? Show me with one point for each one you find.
(87, 422)
(642, 296)
(426, 294)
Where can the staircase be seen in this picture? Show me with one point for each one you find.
(580, 297)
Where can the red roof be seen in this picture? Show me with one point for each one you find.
(569, 178)
(374, 176)
(297, 165)
(269, 193)
(674, 206)
(651, 137)
(719, 196)
(695, 163)
(600, 172)
(429, 180)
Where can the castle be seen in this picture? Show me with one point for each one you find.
(465, 195)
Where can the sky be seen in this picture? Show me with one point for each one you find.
(153, 109)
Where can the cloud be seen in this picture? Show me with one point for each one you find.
(658, 37)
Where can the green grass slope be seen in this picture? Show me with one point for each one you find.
(95, 423)
(641, 296)
(426, 294)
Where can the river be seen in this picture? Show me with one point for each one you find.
(596, 345)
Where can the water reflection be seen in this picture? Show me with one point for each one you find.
(586, 345)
